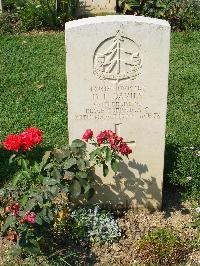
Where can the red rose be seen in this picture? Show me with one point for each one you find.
(25, 140)
(13, 208)
(124, 149)
(87, 135)
(36, 134)
(101, 137)
(30, 137)
(29, 217)
(12, 143)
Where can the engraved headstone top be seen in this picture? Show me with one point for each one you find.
(117, 78)
(87, 7)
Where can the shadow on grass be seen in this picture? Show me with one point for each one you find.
(7, 171)
(172, 199)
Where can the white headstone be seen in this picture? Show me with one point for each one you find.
(0, 6)
(86, 7)
(117, 79)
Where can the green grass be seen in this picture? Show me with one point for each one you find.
(184, 90)
(30, 60)
(27, 61)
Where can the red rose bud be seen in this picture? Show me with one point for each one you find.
(124, 149)
(87, 135)
(28, 217)
(12, 143)
(101, 137)
(13, 208)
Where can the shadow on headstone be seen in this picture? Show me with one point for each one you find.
(131, 189)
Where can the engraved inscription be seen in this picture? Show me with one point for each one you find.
(117, 58)
(109, 103)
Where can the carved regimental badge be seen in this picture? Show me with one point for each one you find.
(117, 58)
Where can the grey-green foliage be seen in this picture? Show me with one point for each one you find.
(95, 225)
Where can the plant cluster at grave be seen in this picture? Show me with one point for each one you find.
(36, 14)
(181, 14)
(34, 205)
(162, 246)
(94, 225)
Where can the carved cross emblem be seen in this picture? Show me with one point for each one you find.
(117, 58)
(117, 131)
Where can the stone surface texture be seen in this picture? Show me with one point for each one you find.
(87, 7)
(117, 79)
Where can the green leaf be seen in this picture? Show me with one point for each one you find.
(81, 164)
(30, 204)
(21, 213)
(12, 159)
(81, 174)
(24, 200)
(36, 168)
(8, 222)
(50, 215)
(69, 163)
(17, 178)
(39, 199)
(24, 164)
(26, 174)
(45, 159)
(48, 166)
(75, 189)
(105, 169)
(115, 165)
(104, 149)
(77, 143)
(60, 154)
(108, 155)
(33, 246)
(89, 192)
(53, 189)
(49, 181)
(117, 157)
(2, 192)
(95, 153)
(38, 220)
(56, 174)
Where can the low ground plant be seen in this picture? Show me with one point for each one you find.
(162, 246)
(34, 203)
(94, 225)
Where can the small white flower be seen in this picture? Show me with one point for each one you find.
(198, 209)
(189, 178)
(197, 154)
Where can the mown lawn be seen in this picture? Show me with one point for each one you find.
(33, 87)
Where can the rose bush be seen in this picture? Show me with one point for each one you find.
(39, 192)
